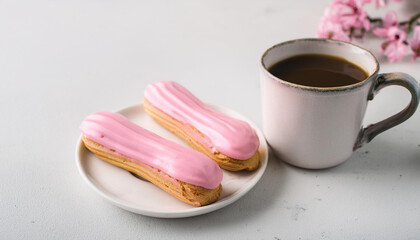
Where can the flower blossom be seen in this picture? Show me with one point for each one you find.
(390, 20)
(329, 27)
(351, 14)
(395, 51)
(342, 18)
(346, 19)
(415, 43)
(394, 46)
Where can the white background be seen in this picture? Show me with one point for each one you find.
(62, 60)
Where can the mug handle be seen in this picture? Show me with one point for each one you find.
(384, 80)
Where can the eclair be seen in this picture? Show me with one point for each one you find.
(232, 143)
(184, 173)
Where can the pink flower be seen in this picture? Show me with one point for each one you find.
(393, 47)
(392, 34)
(395, 51)
(351, 14)
(343, 18)
(390, 20)
(330, 27)
(415, 43)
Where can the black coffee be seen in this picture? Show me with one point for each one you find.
(318, 70)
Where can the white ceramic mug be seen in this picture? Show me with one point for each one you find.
(315, 127)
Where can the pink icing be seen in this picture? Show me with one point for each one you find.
(139, 145)
(232, 137)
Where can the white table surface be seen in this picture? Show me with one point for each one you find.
(61, 60)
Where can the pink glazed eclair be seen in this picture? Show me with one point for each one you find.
(233, 144)
(184, 173)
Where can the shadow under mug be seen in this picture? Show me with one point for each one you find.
(316, 127)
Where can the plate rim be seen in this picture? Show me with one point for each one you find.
(185, 212)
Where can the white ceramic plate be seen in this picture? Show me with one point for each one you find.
(124, 190)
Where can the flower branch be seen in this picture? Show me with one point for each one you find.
(346, 19)
(412, 22)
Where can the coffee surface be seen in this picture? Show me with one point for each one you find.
(318, 70)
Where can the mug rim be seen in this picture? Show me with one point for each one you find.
(321, 89)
